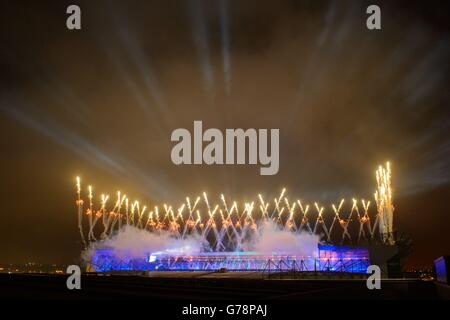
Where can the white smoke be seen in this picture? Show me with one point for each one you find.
(133, 242)
(271, 238)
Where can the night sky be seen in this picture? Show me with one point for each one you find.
(102, 102)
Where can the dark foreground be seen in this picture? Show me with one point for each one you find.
(207, 286)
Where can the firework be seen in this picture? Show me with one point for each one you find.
(226, 227)
(385, 207)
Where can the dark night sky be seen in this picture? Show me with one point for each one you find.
(101, 103)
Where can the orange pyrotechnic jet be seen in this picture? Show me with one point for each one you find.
(227, 224)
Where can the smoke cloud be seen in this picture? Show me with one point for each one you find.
(271, 238)
(133, 242)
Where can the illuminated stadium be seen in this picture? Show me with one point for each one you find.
(330, 259)
(286, 235)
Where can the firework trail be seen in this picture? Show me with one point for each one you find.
(79, 203)
(229, 228)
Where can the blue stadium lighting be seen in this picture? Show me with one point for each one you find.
(329, 259)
